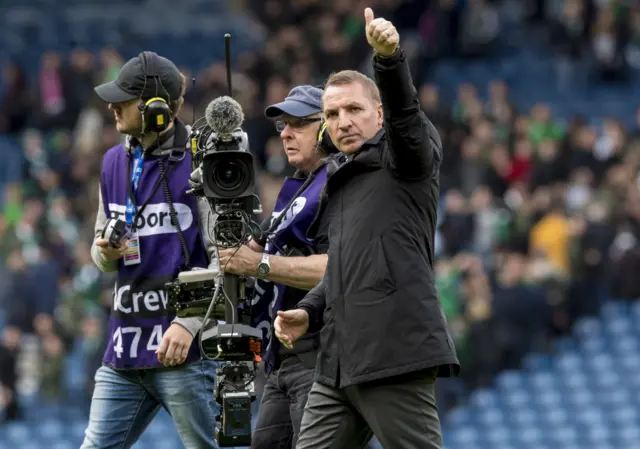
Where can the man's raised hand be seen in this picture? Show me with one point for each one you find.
(381, 34)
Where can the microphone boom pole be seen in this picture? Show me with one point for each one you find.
(227, 57)
(233, 286)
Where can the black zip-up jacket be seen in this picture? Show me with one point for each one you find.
(377, 303)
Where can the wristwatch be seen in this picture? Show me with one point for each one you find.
(264, 267)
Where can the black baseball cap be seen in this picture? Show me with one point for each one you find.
(130, 83)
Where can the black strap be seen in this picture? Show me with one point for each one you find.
(174, 215)
(163, 175)
(163, 179)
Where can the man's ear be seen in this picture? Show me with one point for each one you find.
(380, 115)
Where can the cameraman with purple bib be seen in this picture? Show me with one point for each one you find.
(150, 360)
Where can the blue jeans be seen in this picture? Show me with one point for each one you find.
(124, 403)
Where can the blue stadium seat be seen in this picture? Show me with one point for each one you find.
(563, 436)
(517, 399)
(464, 436)
(509, 380)
(588, 326)
(51, 430)
(458, 417)
(77, 429)
(593, 344)
(18, 433)
(584, 396)
(542, 380)
(536, 361)
(617, 309)
(497, 435)
(573, 381)
(491, 417)
(483, 398)
(548, 399)
(64, 444)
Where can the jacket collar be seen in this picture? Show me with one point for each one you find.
(299, 174)
(375, 140)
(173, 140)
(365, 155)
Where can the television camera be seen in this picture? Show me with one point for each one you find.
(224, 177)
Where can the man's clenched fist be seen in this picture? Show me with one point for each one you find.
(175, 345)
(381, 34)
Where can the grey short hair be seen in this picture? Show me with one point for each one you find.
(352, 76)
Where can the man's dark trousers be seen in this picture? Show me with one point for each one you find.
(283, 400)
(401, 412)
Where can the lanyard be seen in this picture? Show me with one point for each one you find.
(138, 164)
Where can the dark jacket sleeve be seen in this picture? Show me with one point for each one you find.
(314, 304)
(414, 147)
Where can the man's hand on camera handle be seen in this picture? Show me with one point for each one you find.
(255, 246)
(381, 34)
(109, 252)
(240, 260)
(291, 325)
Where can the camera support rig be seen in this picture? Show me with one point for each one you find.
(237, 346)
(224, 175)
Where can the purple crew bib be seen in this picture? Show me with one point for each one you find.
(139, 315)
(291, 230)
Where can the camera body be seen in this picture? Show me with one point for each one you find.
(228, 183)
(115, 231)
(227, 166)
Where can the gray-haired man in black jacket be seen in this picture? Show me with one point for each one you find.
(385, 338)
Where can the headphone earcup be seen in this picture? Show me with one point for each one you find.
(324, 140)
(321, 131)
(156, 116)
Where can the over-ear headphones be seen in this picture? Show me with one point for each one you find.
(321, 131)
(324, 142)
(156, 113)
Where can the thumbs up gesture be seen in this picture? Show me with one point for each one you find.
(381, 34)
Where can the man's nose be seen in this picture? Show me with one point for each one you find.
(287, 132)
(344, 121)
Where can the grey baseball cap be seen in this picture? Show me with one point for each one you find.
(131, 83)
(301, 102)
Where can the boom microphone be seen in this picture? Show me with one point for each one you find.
(224, 115)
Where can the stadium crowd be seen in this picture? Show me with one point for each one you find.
(540, 219)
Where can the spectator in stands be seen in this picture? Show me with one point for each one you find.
(479, 28)
(53, 93)
(607, 46)
(550, 235)
(15, 106)
(569, 37)
(632, 44)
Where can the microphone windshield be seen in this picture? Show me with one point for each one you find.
(224, 115)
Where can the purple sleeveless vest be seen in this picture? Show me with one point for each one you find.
(139, 315)
(293, 228)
